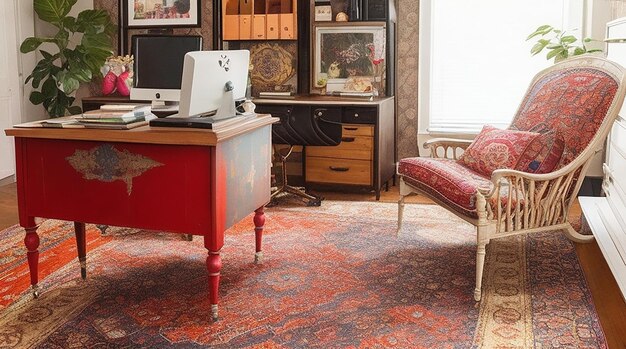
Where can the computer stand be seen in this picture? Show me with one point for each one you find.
(286, 188)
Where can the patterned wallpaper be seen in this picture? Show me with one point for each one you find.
(406, 77)
(407, 27)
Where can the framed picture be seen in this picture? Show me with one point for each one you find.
(162, 13)
(349, 59)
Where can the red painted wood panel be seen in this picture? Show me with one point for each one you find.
(173, 195)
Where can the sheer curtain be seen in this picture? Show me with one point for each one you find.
(475, 62)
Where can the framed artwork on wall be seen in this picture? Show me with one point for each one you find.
(349, 59)
(161, 13)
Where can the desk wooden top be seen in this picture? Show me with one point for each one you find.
(147, 134)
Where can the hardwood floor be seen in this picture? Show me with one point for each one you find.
(608, 300)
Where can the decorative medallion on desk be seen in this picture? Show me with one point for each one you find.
(107, 164)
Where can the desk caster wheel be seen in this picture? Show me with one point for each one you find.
(315, 202)
(103, 228)
(35, 292)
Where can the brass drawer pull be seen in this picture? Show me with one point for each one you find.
(347, 139)
(339, 169)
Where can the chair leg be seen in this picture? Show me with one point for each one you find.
(400, 213)
(576, 236)
(405, 190)
(480, 263)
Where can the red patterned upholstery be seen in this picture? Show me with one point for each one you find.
(571, 102)
(494, 149)
(446, 180)
(543, 154)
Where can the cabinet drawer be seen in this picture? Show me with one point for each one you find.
(618, 135)
(351, 147)
(359, 115)
(342, 171)
(350, 130)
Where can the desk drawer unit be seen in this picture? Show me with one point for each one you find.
(342, 171)
(353, 146)
(366, 155)
(350, 162)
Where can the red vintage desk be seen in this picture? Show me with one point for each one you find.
(190, 181)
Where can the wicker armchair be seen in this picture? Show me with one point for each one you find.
(579, 98)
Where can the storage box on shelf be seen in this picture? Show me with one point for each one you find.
(259, 19)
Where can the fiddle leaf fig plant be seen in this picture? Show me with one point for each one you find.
(559, 44)
(64, 66)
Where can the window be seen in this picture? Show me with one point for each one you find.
(475, 62)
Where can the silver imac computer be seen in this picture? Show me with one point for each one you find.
(158, 67)
(212, 81)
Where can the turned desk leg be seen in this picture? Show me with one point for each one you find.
(259, 223)
(32, 244)
(214, 265)
(81, 246)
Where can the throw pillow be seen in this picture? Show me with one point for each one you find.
(494, 149)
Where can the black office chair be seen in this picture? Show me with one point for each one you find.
(302, 125)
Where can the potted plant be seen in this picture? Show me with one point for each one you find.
(559, 44)
(57, 76)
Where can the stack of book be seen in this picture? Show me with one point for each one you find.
(119, 117)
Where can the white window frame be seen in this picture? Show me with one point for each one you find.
(573, 13)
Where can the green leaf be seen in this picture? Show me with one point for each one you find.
(30, 44)
(553, 46)
(92, 18)
(554, 53)
(81, 72)
(579, 51)
(36, 97)
(49, 88)
(62, 38)
(594, 50)
(538, 47)
(568, 39)
(69, 22)
(47, 56)
(69, 84)
(587, 40)
(53, 11)
(541, 30)
(41, 70)
(75, 110)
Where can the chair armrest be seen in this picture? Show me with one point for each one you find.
(446, 143)
(525, 201)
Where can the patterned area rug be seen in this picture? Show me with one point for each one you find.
(335, 276)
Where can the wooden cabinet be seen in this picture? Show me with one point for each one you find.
(259, 20)
(605, 215)
(365, 156)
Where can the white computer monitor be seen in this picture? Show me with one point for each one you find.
(205, 76)
(158, 66)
